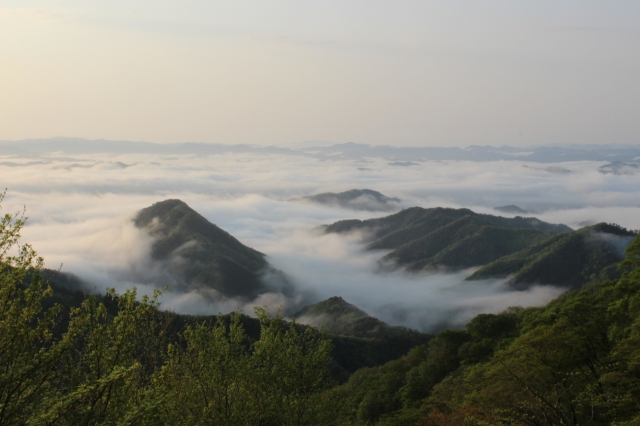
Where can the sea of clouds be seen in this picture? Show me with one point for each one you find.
(80, 209)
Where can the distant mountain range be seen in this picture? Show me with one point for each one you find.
(348, 151)
(527, 249)
(354, 199)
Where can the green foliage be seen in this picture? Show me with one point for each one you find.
(118, 360)
(529, 250)
(569, 260)
(28, 356)
(574, 362)
(105, 372)
(217, 377)
(111, 364)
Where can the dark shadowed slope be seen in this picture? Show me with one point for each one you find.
(199, 255)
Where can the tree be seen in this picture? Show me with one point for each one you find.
(104, 374)
(215, 376)
(29, 355)
(205, 380)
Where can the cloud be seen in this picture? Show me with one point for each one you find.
(81, 217)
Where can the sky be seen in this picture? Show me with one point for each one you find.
(404, 73)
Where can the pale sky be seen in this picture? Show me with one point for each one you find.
(410, 73)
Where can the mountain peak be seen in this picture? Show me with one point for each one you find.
(337, 316)
(196, 254)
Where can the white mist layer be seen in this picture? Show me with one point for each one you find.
(81, 217)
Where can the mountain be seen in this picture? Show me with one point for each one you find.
(534, 252)
(619, 168)
(198, 255)
(355, 199)
(461, 244)
(424, 239)
(510, 209)
(399, 228)
(571, 362)
(336, 316)
(28, 148)
(569, 260)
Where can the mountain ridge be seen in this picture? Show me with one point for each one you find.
(520, 249)
(354, 199)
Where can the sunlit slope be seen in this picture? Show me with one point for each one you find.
(199, 254)
(391, 232)
(587, 255)
(461, 244)
(527, 249)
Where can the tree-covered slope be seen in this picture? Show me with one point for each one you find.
(463, 243)
(526, 249)
(391, 232)
(573, 362)
(570, 260)
(199, 255)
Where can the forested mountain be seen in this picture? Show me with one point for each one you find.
(69, 359)
(390, 232)
(358, 341)
(529, 250)
(354, 199)
(198, 255)
(587, 255)
(575, 361)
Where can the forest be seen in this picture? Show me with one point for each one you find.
(117, 360)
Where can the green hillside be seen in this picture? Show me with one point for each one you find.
(68, 359)
(200, 255)
(573, 362)
(568, 260)
(526, 249)
(391, 232)
(360, 340)
(463, 243)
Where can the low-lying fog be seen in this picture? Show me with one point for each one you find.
(80, 208)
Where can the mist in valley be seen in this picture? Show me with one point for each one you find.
(81, 207)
